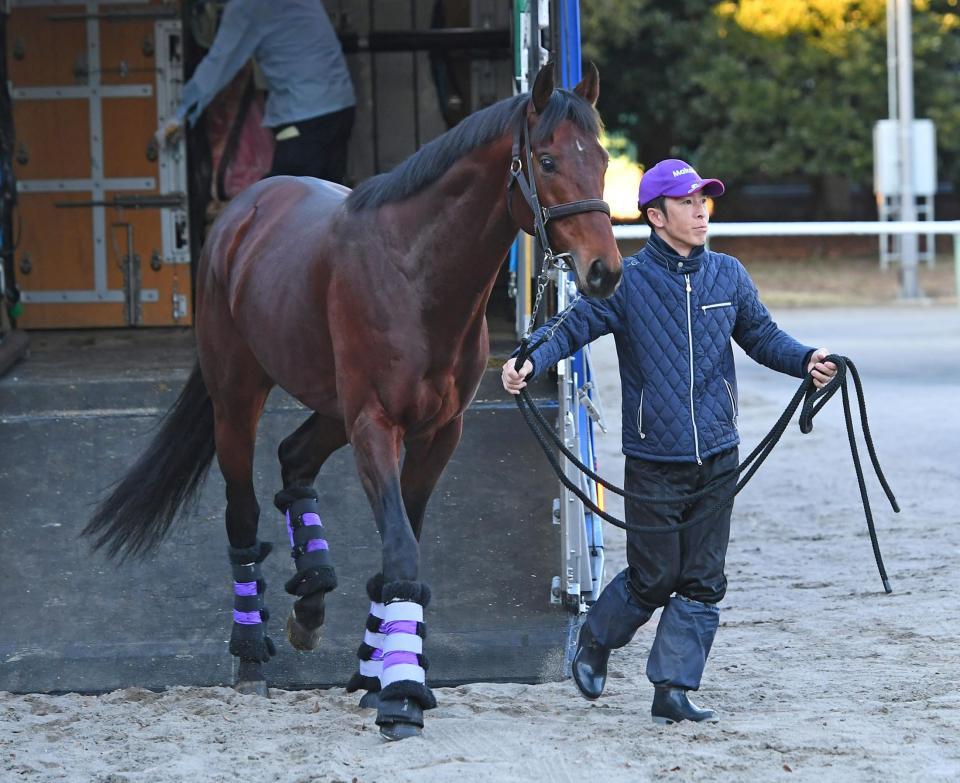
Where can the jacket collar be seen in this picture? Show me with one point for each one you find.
(670, 259)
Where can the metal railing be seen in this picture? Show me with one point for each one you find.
(827, 228)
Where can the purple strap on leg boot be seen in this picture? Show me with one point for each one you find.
(248, 638)
(308, 548)
(404, 664)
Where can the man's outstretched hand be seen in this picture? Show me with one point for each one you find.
(821, 371)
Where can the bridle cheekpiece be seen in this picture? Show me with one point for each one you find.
(527, 183)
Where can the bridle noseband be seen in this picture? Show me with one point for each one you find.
(527, 182)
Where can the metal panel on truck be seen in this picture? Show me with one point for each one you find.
(101, 212)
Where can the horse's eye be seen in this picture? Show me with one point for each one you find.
(547, 164)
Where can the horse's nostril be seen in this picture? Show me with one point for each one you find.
(601, 280)
(596, 275)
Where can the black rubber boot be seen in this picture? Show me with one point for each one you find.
(611, 623)
(590, 664)
(671, 705)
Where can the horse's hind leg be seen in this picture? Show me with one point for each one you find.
(238, 388)
(236, 424)
(302, 454)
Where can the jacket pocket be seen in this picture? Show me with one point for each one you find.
(706, 307)
(733, 402)
(640, 416)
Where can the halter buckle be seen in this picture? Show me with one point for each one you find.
(558, 259)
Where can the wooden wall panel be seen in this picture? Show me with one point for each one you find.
(73, 316)
(42, 52)
(171, 279)
(54, 136)
(128, 127)
(55, 242)
(122, 52)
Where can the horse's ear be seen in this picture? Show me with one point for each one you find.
(589, 87)
(543, 88)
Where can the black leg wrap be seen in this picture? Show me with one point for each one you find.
(359, 682)
(286, 497)
(409, 689)
(375, 588)
(248, 639)
(315, 572)
(251, 554)
(418, 592)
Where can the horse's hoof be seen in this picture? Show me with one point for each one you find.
(252, 688)
(399, 718)
(303, 639)
(370, 700)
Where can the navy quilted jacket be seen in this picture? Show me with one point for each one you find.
(672, 318)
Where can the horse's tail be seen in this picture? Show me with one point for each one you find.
(140, 510)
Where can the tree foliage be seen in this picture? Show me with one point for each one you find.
(768, 89)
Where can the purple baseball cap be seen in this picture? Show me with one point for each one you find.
(675, 178)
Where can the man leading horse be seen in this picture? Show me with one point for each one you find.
(673, 317)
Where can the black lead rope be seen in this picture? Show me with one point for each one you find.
(812, 400)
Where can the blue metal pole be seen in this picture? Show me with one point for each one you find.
(570, 66)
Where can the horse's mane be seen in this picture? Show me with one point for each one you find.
(432, 160)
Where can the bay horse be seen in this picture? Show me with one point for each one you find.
(368, 306)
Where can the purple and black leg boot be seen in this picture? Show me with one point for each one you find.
(248, 639)
(315, 575)
(370, 651)
(404, 694)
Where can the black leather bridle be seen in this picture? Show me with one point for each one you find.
(527, 183)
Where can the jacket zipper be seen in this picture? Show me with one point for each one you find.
(718, 304)
(693, 418)
(733, 402)
(640, 417)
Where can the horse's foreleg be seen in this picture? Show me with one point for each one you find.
(423, 465)
(302, 454)
(370, 651)
(404, 694)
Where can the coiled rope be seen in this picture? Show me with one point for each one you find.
(808, 397)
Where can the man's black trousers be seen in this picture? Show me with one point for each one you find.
(689, 563)
(320, 149)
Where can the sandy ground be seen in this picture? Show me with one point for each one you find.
(816, 673)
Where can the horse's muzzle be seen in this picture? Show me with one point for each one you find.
(601, 280)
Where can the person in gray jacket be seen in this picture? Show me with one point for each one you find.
(310, 100)
(673, 317)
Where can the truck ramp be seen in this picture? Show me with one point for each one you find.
(81, 409)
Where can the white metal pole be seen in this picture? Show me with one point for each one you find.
(909, 287)
(956, 265)
(892, 59)
(890, 245)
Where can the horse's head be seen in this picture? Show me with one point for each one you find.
(559, 162)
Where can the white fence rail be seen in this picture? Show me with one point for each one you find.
(824, 229)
